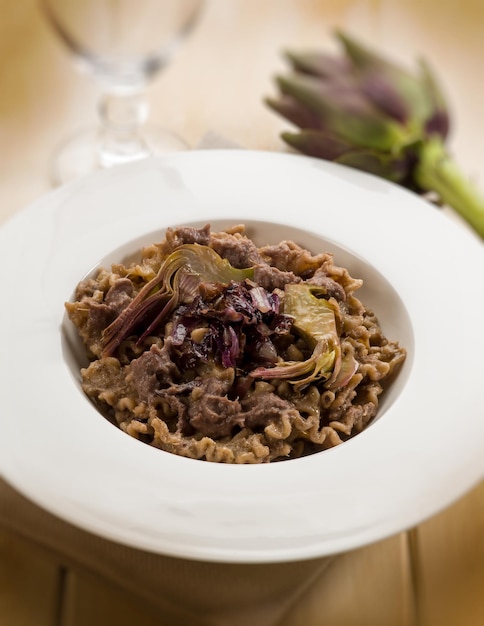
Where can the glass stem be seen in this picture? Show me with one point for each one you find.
(122, 118)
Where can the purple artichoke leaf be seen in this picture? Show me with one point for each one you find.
(323, 97)
(438, 122)
(404, 82)
(293, 111)
(348, 113)
(318, 64)
(385, 96)
(322, 145)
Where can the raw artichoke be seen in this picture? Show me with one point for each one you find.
(364, 111)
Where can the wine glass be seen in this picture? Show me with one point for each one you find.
(123, 44)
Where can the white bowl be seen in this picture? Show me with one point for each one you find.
(421, 276)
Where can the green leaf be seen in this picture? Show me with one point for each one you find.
(314, 317)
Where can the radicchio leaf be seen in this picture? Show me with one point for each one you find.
(177, 281)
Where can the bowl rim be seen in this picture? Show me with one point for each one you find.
(240, 513)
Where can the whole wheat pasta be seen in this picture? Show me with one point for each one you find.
(212, 348)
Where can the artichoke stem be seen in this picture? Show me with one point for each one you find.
(436, 171)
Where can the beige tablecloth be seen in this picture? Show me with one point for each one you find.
(183, 591)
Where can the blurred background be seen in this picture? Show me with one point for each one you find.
(221, 73)
(213, 91)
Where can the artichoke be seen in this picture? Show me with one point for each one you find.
(367, 112)
(315, 320)
(177, 281)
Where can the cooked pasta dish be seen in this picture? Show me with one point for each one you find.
(213, 348)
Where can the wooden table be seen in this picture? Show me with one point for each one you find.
(429, 576)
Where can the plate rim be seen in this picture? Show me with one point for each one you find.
(51, 205)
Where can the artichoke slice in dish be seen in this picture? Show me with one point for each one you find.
(315, 319)
(177, 282)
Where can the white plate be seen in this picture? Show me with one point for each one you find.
(423, 277)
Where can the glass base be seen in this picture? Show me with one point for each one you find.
(85, 152)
